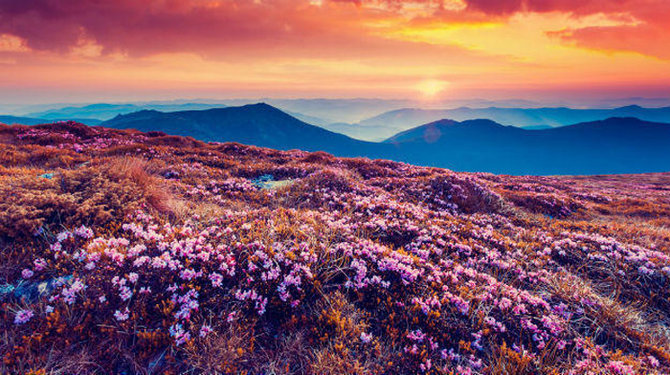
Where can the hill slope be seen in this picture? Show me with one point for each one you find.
(139, 253)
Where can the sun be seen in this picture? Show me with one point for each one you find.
(431, 87)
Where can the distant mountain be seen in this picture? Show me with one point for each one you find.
(615, 145)
(256, 124)
(11, 120)
(106, 111)
(330, 110)
(407, 118)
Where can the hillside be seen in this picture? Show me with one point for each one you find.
(255, 124)
(136, 253)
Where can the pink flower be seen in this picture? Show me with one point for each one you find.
(40, 264)
(27, 273)
(121, 316)
(23, 316)
(132, 277)
(216, 279)
(366, 337)
(205, 330)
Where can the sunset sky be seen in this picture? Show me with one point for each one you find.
(91, 50)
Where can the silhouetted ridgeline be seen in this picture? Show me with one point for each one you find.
(615, 145)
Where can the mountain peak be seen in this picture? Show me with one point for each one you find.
(630, 107)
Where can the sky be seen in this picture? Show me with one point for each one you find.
(97, 50)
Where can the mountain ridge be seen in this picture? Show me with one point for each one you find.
(616, 145)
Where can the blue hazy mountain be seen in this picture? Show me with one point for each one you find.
(255, 124)
(105, 111)
(407, 118)
(11, 120)
(615, 145)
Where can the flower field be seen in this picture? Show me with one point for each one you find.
(142, 253)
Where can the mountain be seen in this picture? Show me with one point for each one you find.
(255, 124)
(105, 111)
(10, 120)
(407, 118)
(330, 110)
(615, 145)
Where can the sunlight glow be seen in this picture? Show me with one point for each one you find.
(432, 87)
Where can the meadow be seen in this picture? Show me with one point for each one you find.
(143, 253)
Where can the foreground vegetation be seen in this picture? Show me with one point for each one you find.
(128, 252)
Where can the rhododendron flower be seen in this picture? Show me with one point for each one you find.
(366, 337)
(40, 264)
(132, 277)
(205, 330)
(27, 273)
(121, 316)
(23, 316)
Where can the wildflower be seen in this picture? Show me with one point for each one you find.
(40, 264)
(27, 273)
(125, 293)
(216, 279)
(416, 335)
(366, 337)
(205, 330)
(23, 316)
(62, 236)
(83, 232)
(121, 316)
(132, 277)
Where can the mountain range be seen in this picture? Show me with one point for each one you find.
(611, 145)
(10, 120)
(615, 145)
(106, 111)
(254, 124)
(389, 123)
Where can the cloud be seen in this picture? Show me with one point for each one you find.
(11, 43)
(227, 28)
(646, 31)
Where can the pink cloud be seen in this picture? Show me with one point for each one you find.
(337, 28)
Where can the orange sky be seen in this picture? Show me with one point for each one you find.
(158, 49)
